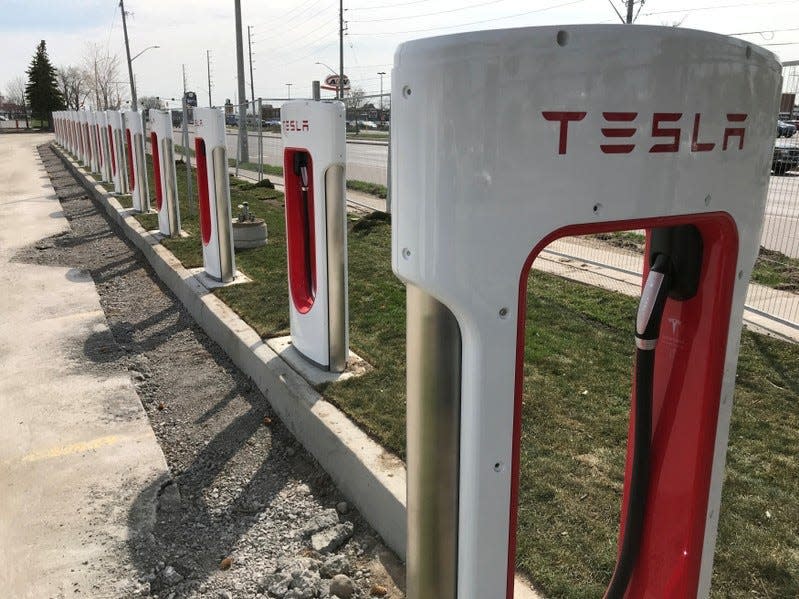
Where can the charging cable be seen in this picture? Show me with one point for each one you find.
(650, 314)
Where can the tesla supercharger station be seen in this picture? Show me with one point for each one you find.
(103, 139)
(314, 156)
(94, 145)
(98, 142)
(69, 130)
(137, 166)
(73, 145)
(166, 182)
(213, 190)
(78, 135)
(116, 131)
(503, 141)
(83, 127)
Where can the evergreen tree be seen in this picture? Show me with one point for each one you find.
(42, 90)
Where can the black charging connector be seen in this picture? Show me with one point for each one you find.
(675, 261)
(683, 246)
(301, 168)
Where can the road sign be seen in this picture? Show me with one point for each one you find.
(331, 83)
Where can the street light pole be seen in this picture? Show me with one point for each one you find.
(381, 73)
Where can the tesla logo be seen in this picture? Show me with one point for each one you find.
(296, 125)
(675, 326)
(619, 127)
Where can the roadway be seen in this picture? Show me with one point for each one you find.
(368, 161)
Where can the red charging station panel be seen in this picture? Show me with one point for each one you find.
(131, 172)
(202, 189)
(156, 170)
(112, 151)
(300, 231)
(684, 411)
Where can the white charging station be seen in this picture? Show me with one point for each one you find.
(505, 140)
(165, 177)
(94, 141)
(68, 132)
(57, 126)
(213, 189)
(83, 126)
(137, 166)
(314, 158)
(118, 158)
(102, 137)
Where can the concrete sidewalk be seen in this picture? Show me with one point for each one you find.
(76, 447)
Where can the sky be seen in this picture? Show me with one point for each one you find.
(290, 36)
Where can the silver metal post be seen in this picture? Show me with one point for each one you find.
(336, 234)
(316, 91)
(433, 446)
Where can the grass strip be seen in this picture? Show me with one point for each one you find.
(375, 189)
(578, 360)
(772, 269)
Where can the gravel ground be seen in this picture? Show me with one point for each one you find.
(247, 512)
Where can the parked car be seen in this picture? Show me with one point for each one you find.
(786, 157)
(785, 129)
(231, 120)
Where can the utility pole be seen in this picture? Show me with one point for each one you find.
(133, 100)
(244, 151)
(630, 4)
(208, 63)
(252, 81)
(341, 50)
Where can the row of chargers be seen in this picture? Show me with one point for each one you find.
(112, 143)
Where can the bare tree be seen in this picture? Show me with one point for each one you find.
(15, 90)
(148, 102)
(103, 71)
(75, 86)
(355, 99)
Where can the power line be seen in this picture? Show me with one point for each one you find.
(313, 42)
(431, 14)
(616, 10)
(701, 8)
(293, 16)
(305, 35)
(764, 31)
(522, 14)
(111, 29)
(400, 5)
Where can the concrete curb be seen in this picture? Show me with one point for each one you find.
(372, 478)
